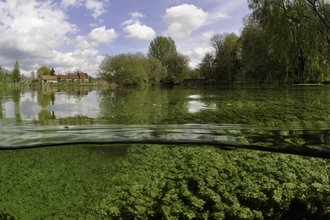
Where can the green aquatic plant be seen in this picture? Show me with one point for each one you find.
(161, 182)
(207, 183)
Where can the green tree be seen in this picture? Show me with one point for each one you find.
(123, 69)
(161, 47)
(226, 62)
(105, 69)
(154, 70)
(298, 35)
(177, 66)
(52, 72)
(231, 58)
(43, 70)
(16, 74)
(33, 75)
(195, 74)
(258, 65)
(206, 67)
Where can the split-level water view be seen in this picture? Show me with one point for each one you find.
(200, 152)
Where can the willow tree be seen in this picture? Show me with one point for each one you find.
(257, 64)
(297, 33)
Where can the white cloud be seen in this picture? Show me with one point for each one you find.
(87, 53)
(67, 3)
(96, 6)
(135, 30)
(137, 15)
(139, 32)
(206, 37)
(217, 16)
(183, 19)
(28, 28)
(102, 36)
(129, 22)
(35, 32)
(97, 24)
(198, 53)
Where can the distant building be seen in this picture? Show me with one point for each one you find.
(63, 78)
(74, 77)
(83, 77)
(47, 78)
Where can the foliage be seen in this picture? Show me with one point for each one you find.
(224, 63)
(154, 70)
(195, 74)
(52, 72)
(16, 74)
(208, 183)
(161, 47)
(123, 69)
(161, 182)
(177, 66)
(230, 58)
(50, 183)
(258, 65)
(43, 70)
(4, 71)
(281, 42)
(206, 67)
(297, 35)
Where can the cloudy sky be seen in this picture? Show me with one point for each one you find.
(76, 34)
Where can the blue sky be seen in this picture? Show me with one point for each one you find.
(76, 34)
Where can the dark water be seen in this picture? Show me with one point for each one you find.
(170, 181)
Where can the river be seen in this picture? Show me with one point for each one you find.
(164, 180)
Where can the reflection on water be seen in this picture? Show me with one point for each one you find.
(196, 105)
(47, 105)
(261, 106)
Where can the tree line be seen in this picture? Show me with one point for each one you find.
(13, 76)
(281, 42)
(163, 64)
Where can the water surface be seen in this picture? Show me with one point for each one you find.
(186, 181)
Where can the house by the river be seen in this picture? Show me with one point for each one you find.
(71, 77)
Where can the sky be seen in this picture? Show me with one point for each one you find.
(76, 34)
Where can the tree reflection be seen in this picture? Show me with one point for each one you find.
(44, 99)
(45, 115)
(146, 105)
(16, 95)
